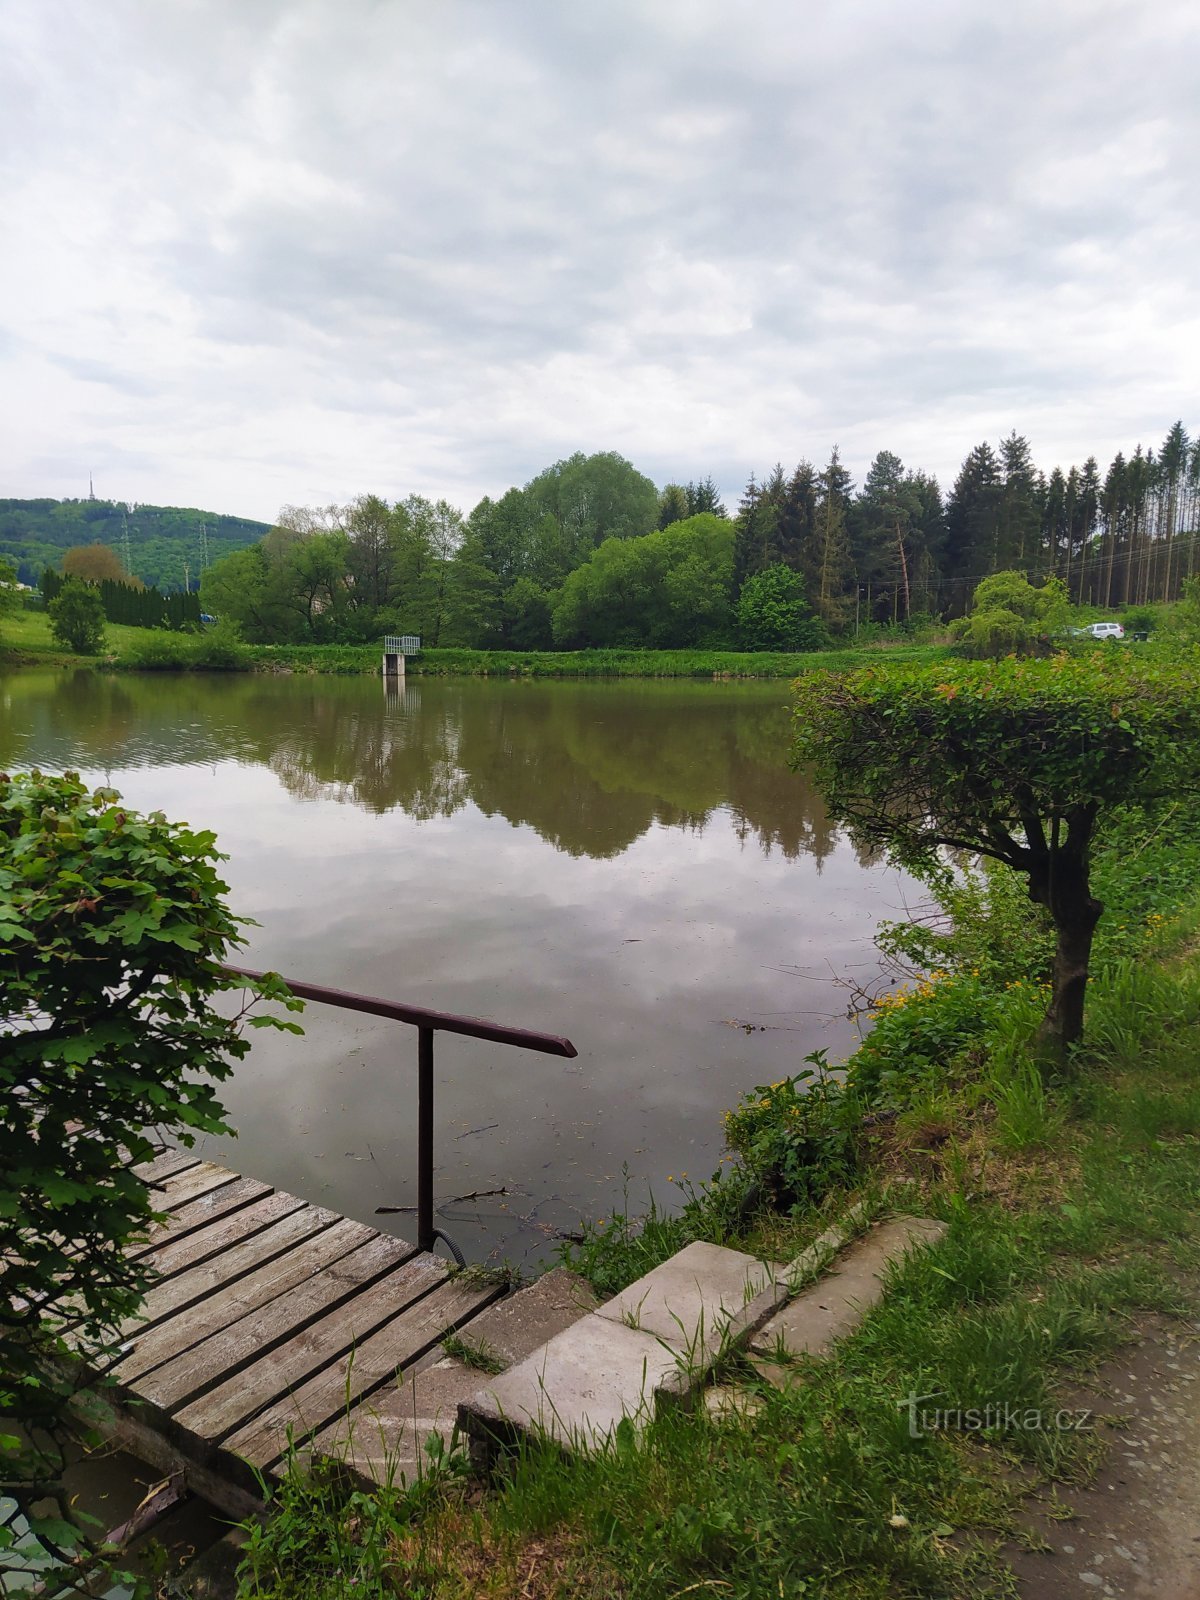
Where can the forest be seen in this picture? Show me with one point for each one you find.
(166, 547)
(590, 553)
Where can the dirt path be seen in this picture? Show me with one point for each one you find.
(1135, 1531)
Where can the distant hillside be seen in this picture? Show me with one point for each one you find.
(162, 540)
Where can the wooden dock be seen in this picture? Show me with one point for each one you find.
(272, 1319)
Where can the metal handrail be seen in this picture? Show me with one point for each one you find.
(427, 1024)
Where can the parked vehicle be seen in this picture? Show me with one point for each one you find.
(1105, 630)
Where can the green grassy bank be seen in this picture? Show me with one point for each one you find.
(1072, 1204)
(25, 639)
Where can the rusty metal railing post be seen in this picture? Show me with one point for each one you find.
(427, 1024)
(426, 1232)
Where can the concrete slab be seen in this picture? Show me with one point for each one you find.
(514, 1328)
(383, 1439)
(690, 1300)
(836, 1305)
(576, 1388)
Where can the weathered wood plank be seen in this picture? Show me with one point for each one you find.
(187, 1185)
(222, 1409)
(171, 1298)
(226, 1352)
(169, 1341)
(177, 1254)
(122, 1428)
(166, 1165)
(323, 1401)
(198, 1213)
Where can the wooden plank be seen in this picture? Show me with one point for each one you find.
(126, 1431)
(183, 1186)
(176, 1254)
(233, 1347)
(198, 1213)
(227, 1266)
(321, 1403)
(170, 1339)
(166, 1165)
(231, 1403)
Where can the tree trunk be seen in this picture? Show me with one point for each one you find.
(1063, 1022)
(1059, 880)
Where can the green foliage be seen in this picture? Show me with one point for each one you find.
(322, 1540)
(217, 649)
(924, 1036)
(797, 1137)
(773, 613)
(617, 1250)
(983, 921)
(1010, 617)
(77, 617)
(1016, 760)
(667, 589)
(162, 540)
(10, 595)
(1140, 619)
(975, 755)
(112, 933)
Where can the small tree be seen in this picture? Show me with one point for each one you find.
(10, 595)
(77, 618)
(112, 931)
(95, 562)
(773, 613)
(1017, 760)
(1009, 616)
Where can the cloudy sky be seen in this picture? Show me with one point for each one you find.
(269, 251)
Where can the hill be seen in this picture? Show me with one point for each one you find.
(157, 543)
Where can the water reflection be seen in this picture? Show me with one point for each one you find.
(629, 864)
(591, 767)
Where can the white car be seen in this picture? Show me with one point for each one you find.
(1105, 630)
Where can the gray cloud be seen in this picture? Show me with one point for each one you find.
(260, 252)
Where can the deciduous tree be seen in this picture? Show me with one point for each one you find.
(1016, 760)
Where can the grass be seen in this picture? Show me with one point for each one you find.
(477, 1354)
(25, 639)
(1072, 1210)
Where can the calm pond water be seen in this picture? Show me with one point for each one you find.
(627, 863)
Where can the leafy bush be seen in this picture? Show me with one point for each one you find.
(983, 922)
(1010, 617)
(922, 1037)
(113, 928)
(77, 618)
(773, 613)
(157, 650)
(797, 1137)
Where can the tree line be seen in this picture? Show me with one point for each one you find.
(123, 598)
(591, 553)
(165, 546)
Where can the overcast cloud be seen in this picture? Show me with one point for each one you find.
(258, 252)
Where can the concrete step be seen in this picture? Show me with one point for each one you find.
(835, 1305)
(389, 1438)
(653, 1342)
(657, 1341)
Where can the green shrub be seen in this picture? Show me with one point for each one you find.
(157, 650)
(922, 1037)
(113, 928)
(797, 1137)
(77, 618)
